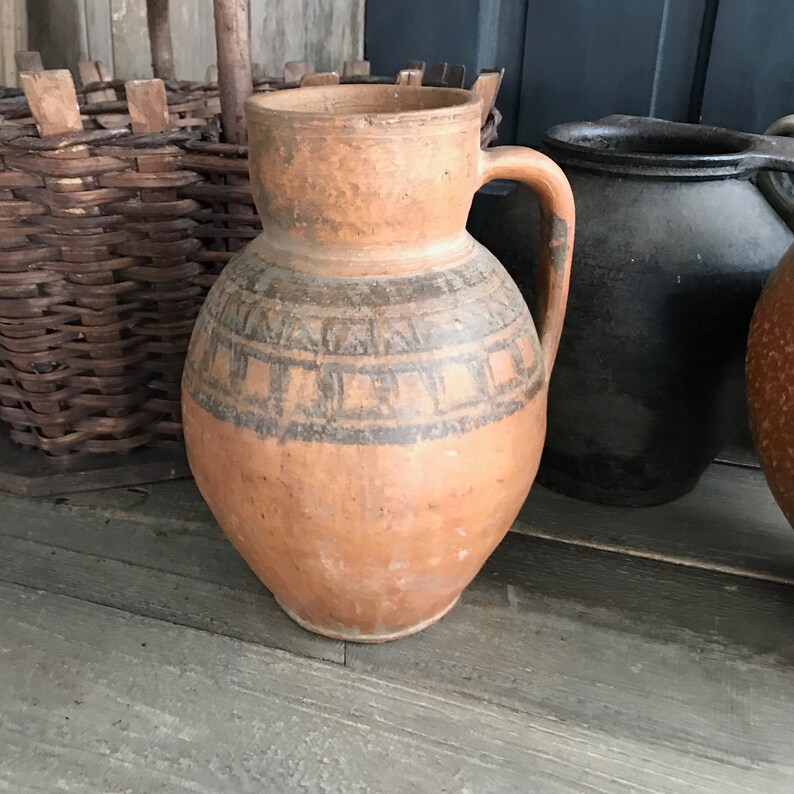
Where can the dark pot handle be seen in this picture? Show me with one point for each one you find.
(554, 195)
(769, 153)
(778, 188)
(755, 152)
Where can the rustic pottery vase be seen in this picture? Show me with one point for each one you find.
(770, 352)
(674, 244)
(365, 392)
(770, 383)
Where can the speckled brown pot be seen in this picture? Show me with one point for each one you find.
(365, 393)
(770, 383)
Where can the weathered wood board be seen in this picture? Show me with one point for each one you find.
(325, 32)
(95, 699)
(13, 37)
(599, 650)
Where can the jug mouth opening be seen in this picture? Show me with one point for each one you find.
(371, 102)
(652, 147)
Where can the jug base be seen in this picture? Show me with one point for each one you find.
(351, 635)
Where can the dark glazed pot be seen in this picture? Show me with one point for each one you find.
(674, 244)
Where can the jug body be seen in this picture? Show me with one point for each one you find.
(365, 390)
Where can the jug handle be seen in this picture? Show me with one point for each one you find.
(557, 219)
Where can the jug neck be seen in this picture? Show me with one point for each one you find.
(364, 174)
(357, 260)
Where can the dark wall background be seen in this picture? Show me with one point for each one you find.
(725, 62)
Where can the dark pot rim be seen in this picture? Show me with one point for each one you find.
(642, 146)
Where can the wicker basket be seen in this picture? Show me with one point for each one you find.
(99, 288)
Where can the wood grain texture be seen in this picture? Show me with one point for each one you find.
(57, 29)
(319, 78)
(162, 707)
(728, 523)
(13, 38)
(409, 77)
(565, 662)
(486, 86)
(192, 34)
(157, 13)
(235, 81)
(324, 32)
(132, 58)
(516, 649)
(94, 72)
(182, 571)
(250, 615)
(327, 32)
(158, 557)
(148, 105)
(52, 100)
(655, 597)
(176, 503)
(25, 472)
(99, 32)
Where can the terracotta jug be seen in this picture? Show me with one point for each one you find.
(770, 351)
(674, 244)
(365, 392)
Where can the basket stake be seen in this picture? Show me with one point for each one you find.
(148, 105)
(52, 101)
(235, 80)
(295, 70)
(409, 77)
(437, 73)
(160, 39)
(456, 76)
(96, 72)
(486, 86)
(319, 78)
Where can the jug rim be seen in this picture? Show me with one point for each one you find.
(644, 146)
(373, 103)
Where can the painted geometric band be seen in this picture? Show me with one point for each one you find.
(335, 368)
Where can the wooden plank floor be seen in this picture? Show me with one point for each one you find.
(600, 649)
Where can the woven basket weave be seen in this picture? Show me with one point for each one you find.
(99, 288)
(226, 220)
